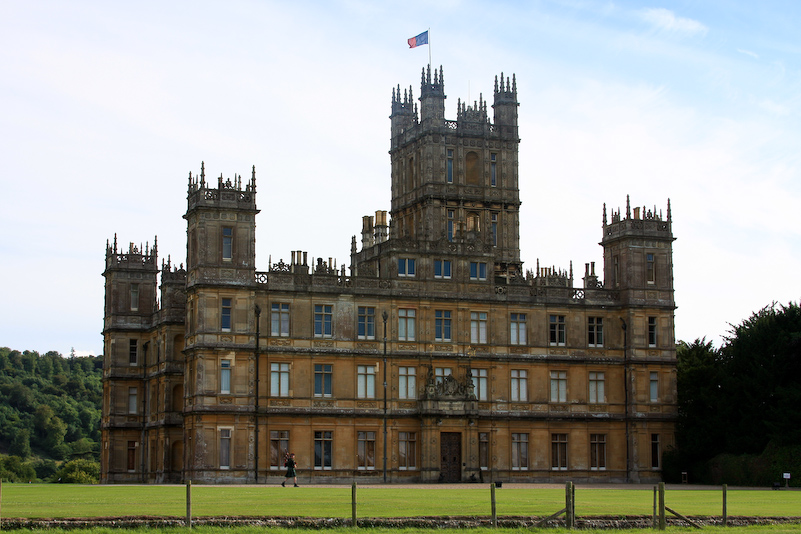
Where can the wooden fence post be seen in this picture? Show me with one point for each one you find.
(492, 505)
(653, 516)
(188, 504)
(725, 510)
(662, 522)
(568, 505)
(353, 505)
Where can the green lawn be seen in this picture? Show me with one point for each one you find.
(69, 500)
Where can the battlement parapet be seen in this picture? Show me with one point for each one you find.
(638, 221)
(228, 194)
(138, 258)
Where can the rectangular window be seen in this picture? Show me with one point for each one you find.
(519, 385)
(133, 403)
(366, 381)
(597, 452)
(323, 446)
(366, 450)
(440, 373)
(483, 450)
(656, 452)
(449, 167)
(279, 379)
(494, 229)
(519, 452)
(480, 383)
(442, 325)
(615, 271)
(652, 331)
(478, 270)
(597, 386)
(650, 268)
(134, 297)
(451, 224)
(407, 450)
(279, 319)
(493, 170)
(559, 452)
(406, 267)
(279, 447)
(323, 320)
(653, 388)
(225, 376)
(225, 315)
(227, 243)
(406, 324)
(322, 379)
(407, 383)
(517, 329)
(557, 330)
(366, 323)
(131, 456)
(442, 268)
(133, 352)
(478, 327)
(558, 386)
(225, 448)
(595, 331)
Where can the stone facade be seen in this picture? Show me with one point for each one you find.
(436, 358)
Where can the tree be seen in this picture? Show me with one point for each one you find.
(21, 444)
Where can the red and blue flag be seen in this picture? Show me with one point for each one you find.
(418, 40)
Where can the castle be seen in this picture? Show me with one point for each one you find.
(436, 358)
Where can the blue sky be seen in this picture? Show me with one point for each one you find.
(107, 106)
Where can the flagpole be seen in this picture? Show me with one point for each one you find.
(429, 47)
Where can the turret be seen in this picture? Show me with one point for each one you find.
(432, 99)
(505, 107)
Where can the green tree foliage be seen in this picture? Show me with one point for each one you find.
(79, 472)
(13, 469)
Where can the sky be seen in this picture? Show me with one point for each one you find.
(108, 106)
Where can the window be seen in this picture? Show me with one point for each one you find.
(478, 270)
(480, 383)
(615, 271)
(279, 319)
(451, 223)
(322, 379)
(406, 267)
(279, 446)
(558, 386)
(366, 323)
(519, 385)
(654, 386)
(133, 351)
(323, 315)
(442, 268)
(649, 268)
(478, 327)
(483, 450)
(225, 448)
(597, 393)
(559, 452)
(656, 452)
(473, 222)
(134, 297)
(323, 445)
(440, 373)
(366, 450)
(442, 325)
(494, 229)
(406, 324)
(279, 379)
(472, 168)
(225, 376)
(133, 404)
(407, 450)
(131, 456)
(227, 243)
(652, 331)
(366, 381)
(517, 329)
(557, 330)
(493, 170)
(225, 315)
(449, 167)
(597, 452)
(407, 383)
(519, 452)
(595, 331)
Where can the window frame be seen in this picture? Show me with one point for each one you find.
(517, 326)
(407, 322)
(559, 452)
(443, 269)
(596, 382)
(279, 379)
(323, 450)
(279, 446)
(518, 385)
(226, 314)
(519, 457)
(365, 322)
(558, 392)
(557, 330)
(652, 333)
(365, 381)
(279, 319)
(323, 380)
(597, 452)
(225, 436)
(227, 243)
(653, 386)
(226, 365)
(407, 267)
(365, 450)
(407, 451)
(323, 321)
(480, 378)
(407, 382)
(595, 331)
(478, 270)
(442, 326)
(478, 327)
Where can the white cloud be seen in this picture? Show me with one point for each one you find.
(664, 19)
(748, 53)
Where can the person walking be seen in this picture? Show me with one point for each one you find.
(291, 472)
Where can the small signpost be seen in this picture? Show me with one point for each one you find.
(786, 480)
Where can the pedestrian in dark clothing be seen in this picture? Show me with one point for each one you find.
(291, 472)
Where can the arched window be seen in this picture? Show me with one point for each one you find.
(472, 168)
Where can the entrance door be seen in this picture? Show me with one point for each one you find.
(450, 444)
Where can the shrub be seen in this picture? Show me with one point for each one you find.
(79, 472)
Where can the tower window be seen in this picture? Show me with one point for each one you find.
(494, 229)
(472, 168)
(478, 270)
(652, 331)
(449, 167)
(133, 352)
(615, 271)
(225, 315)
(451, 223)
(442, 325)
(442, 268)
(473, 222)
(225, 376)
(406, 324)
(323, 320)
(493, 169)
(478, 327)
(366, 323)
(134, 297)
(227, 243)
(650, 268)
(225, 448)
(406, 267)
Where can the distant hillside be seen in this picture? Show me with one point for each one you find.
(50, 405)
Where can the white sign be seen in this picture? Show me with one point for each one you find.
(787, 476)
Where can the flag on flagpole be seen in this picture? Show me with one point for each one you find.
(418, 40)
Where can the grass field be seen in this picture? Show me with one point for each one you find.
(69, 500)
